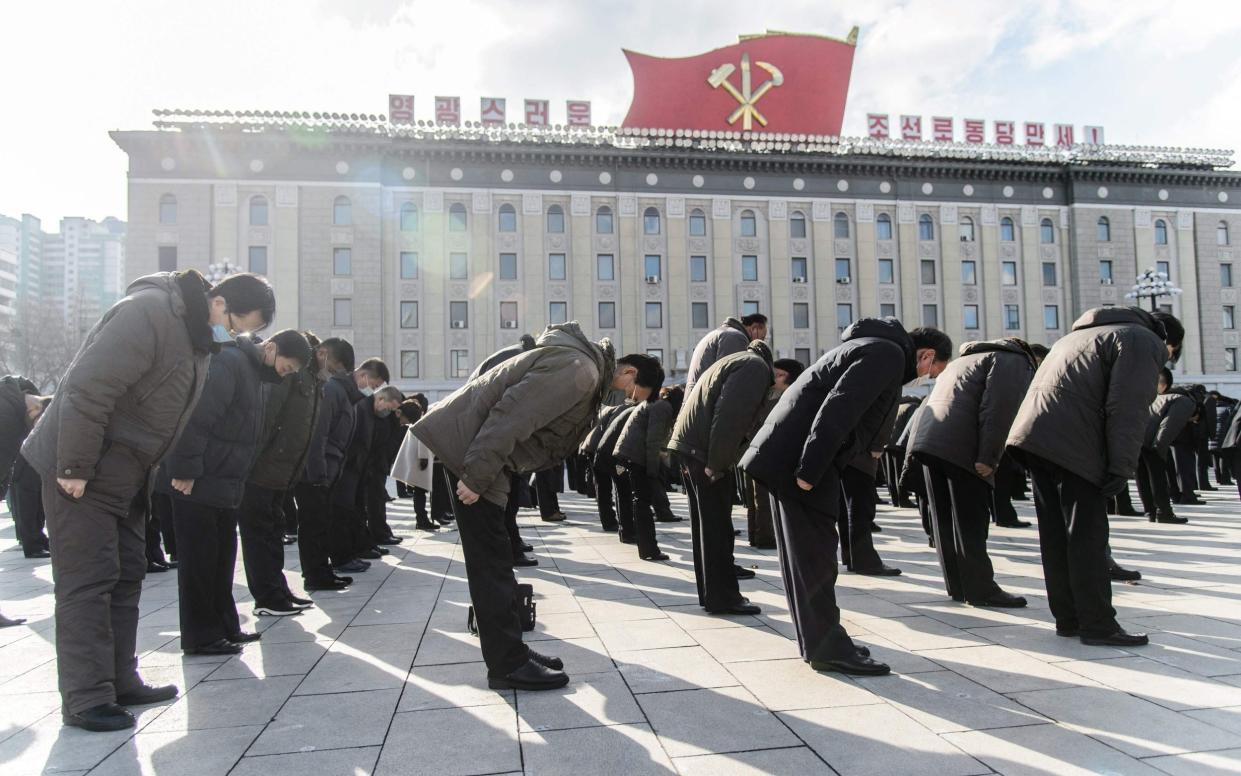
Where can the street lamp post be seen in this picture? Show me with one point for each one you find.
(1153, 285)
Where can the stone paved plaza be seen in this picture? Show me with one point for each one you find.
(384, 678)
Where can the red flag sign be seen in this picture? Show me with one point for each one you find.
(777, 82)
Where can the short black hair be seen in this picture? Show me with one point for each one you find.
(291, 343)
(245, 293)
(421, 398)
(341, 351)
(927, 337)
(790, 365)
(754, 318)
(410, 409)
(1174, 332)
(657, 382)
(650, 373)
(311, 338)
(377, 367)
(1166, 374)
(674, 395)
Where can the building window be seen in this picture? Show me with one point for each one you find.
(342, 313)
(801, 270)
(1105, 272)
(1012, 317)
(699, 315)
(342, 261)
(258, 211)
(749, 268)
(1046, 232)
(459, 363)
(508, 315)
(258, 259)
(1221, 234)
(342, 212)
(1049, 273)
(928, 272)
(844, 316)
(409, 265)
(1008, 233)
(459, 315)
(843, 274)
(1104, 227)
(409, 363)
(887, 310)
(652, 267)
(1161, 232)
(607, 315)
(508, 218)
(605, 266)
(458, 266)
(1230, 359)
(887, 271)
(1051, 317)
(749, 224)
(930, 315)
(840, 226)
(926, 227)
(797, 225)
(749, 308)
(969, 273)
(556, 269)
(801, 315)
(883, 227)
(697, 224)
(965, 229)
(1008, 273)
(603, 220)
(1225, 275)
(409, 315)
(508, 266)
(409, 217)
(555, 220)
(656, 353)
(698, 269)
(167, 258)
(650, 221)
(802, 355)
(167, 209)
(654, 315)
(456, 219)
(558, 312)
(1164, 268)
(1230, 316)
(971, 316)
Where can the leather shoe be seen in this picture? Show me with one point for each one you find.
(146, 694)
(530, 676)
(554, 517)
(244, 637)
(527, 547)
(743, 573)
(390, 541)
(371, 554)
(1015, 524)
(427, 526)
(327, 584)
(381, 550)
(554, 663)
(1121, 574)
(856, 664)
(1118, 639)
(524, 561)
(43, 553)
(1171, 519)
(874, 528)
(217, 647)
(669, 519)
(301, 603)
(627, 539)
(1067, 631)
(611, 528)
(655, 556)
(153, 567)
(763, 545)
(881, 571)
(6, 622)
(100, 719)
(1002, 600)
(740, 607)
(1192, 502)
(354, 566)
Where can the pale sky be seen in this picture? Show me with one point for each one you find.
(1149, 71)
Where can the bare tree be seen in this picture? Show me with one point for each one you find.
(40, 345)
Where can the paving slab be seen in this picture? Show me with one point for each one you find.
(729, 719)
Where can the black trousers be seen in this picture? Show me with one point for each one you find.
(1186, 470)
(711, 526)
(604, 471)
(493, 588)
(510, 514)
(288, 513)
(806, 540)
(443, 491)
(205, 572)
(1223, 467)
(1008, 476)
(855, 518)
(547, 484)
(1073, 537)
(262, 544)
(761, 523)
(958, 501)
(25, 499)
(1202, 453)
(1153, 483)
(642, 485)
(161, 510)
(623, 496)
(659, 496)
(376, 494)
(314, 510)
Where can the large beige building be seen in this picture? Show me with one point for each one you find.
(434, 246)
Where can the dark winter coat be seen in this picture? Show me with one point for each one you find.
(503, 354)
(906, 408)
(524, 415)
(731, 337)
(646, 433)
(718, 414)
(1088, 405)
(1170, 414)
(14, 426)
(1232, 435)
(590, 445)
(833, 411)
(1224, 409)
(353, 472)
(290, 416)
(606, 452)
(130, 390)
(333, 432)
(866, 460)
(973, 404)
(1204, 429)
(219, 445)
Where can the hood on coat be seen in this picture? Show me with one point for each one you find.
(734, 323)
(762, 349)
(1007, 345)
(602, 354)
(346, 381)
(187, 300)
(1111, 316)
(891, 330)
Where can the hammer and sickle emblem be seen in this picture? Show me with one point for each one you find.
(746, 98)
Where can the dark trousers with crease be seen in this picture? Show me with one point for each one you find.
(25, 498)
(958, 500)
(604, 473)
(376, 493)
(205, 572)
(642, 484)
(546, 485)
(420, 506)
(1073, 537)
(1186, 471)
(659, 496)
(711, 527)
(856, 516)
(623, 496)
(1008, 475)
(1153, 483)
(314, 512)
(443, 490)
(260, 524)
(510, 514)
(487, 548)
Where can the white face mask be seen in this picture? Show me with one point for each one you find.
(368, 391)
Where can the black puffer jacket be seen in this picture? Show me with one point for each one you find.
(606, 451)
(504, 354)
(1087, 407)
(219, 445)
(906, 408)
(14, 428)
(646, 433)
(333, 432)
(718, 414)
(1224, 408)
(590, 445)
(731, 337)
(353, 472)
(1170, 414)
(1204, 429)
(834, 410)
(291, 414)
(973, 404)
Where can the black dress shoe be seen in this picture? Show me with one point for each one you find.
(445, 519)
(861, 650)
(217, 647)
(1015, 524)
(244, 637)
(530, 676)
(554, 663)
(654, 556)
(147, 694)
(527, 547)
(743, 573)
(881, 571)
(740, 607)
(554, 517)
(1067, 631)
(1172, 519)
(346, 580)
(1130, 513)
(153, 567)
(1118, 639)
(289, 539)
(627, 539)
(874, 528)
(1191, 502)
(856, 664)
(611, 528)
(371, 554)
(41, 553)
(381, 550)
(354, 566)
(1002, 600)
(524, 561)
(669, 519)
(327, 584)
(1120, 574)
(391, 541)
(103, 718)
(763, 545)
(6, 622)
(427, 526)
